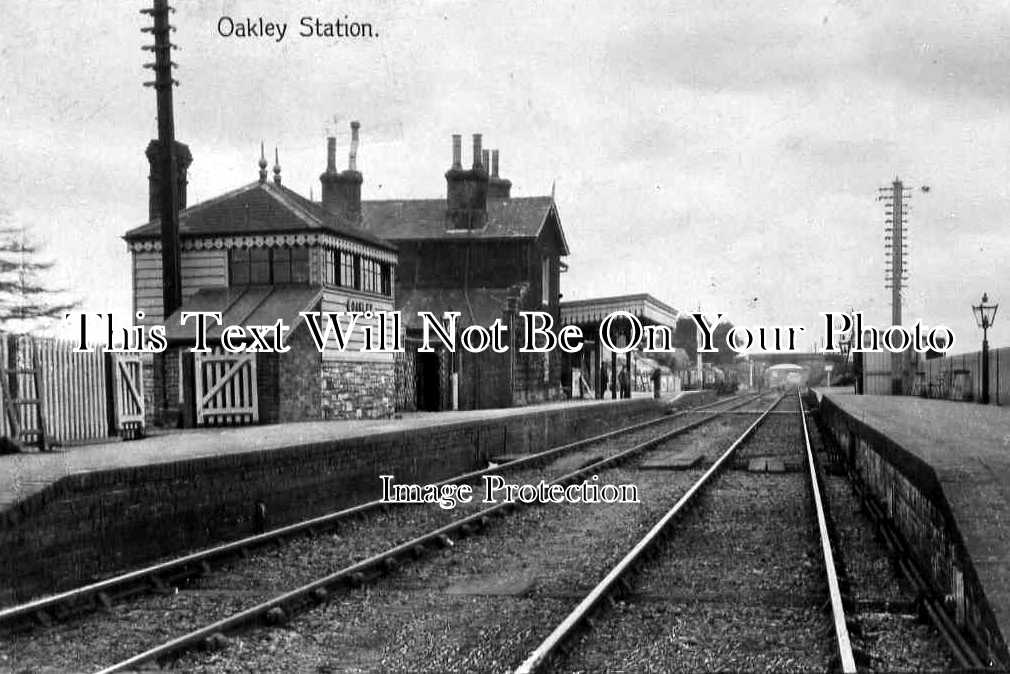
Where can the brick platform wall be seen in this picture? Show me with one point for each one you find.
(912, 498)
(90, 525)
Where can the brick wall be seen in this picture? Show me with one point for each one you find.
(161, 396)
(300, 376)
(405, 378)
(90, 525)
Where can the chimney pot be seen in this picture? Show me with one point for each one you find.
(494, 163)
(476, 150)
(457, 151)
(331, 155)
(352, 160)
(484, 155)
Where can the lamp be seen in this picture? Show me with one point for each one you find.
(984, 315)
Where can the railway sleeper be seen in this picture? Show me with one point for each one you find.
(158, 585)
(276, 616)
(43, 618)
(216, 642)
(104, 600)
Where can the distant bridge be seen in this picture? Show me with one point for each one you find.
(814, 362)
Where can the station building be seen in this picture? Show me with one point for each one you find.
(488, 255)
(593, 372)
(256, 254)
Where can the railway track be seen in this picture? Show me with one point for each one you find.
(681, 590)
(362, 562)
(157, 578)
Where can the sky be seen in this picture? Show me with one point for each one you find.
(721, 154)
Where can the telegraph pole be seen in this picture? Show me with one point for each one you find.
(163, 153)
(895, 231)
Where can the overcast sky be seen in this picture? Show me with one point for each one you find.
(722, 153)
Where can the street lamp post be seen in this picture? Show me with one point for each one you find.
(844, 345)
(984, 315)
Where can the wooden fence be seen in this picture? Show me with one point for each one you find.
(960, 377)
(956, 377)
(52, 395)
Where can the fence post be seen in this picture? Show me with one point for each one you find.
(111, 394)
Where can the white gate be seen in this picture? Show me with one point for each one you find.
(127, 383)
(225, 388)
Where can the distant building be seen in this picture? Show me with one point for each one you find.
(257, 254)
(593, 371)
(485, 254)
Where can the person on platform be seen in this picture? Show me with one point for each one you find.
(603, 382)
(657, 379)
(624, 381)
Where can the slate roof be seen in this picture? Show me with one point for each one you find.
(258, 208)
(244, 305)
(518, 217)
(487, 304)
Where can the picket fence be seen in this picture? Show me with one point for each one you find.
(52, 395)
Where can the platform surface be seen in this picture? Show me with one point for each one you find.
(968, 447)
(22, 475)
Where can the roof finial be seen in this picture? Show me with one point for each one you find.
(277, 167)
(263, 164)
(553, 185)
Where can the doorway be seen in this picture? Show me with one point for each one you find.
(426, 377)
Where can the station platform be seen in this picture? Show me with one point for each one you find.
(22, 475)
(96, 509)
(955, 456)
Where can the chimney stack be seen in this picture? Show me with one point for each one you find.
(352, 157)
(497, 188)
(466, 190)
(476, 152)
(457, 152)
(341, 192)
(331, 155)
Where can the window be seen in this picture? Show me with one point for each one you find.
(371, 276)
(348, 267)
(545, 280)
(291, 265)
(329, 266)
(387, 280)
(282, 265)
(352, 271)
(238, 266)
(261, 266)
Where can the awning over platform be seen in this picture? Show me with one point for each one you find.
(244, 305)
(644, 307)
